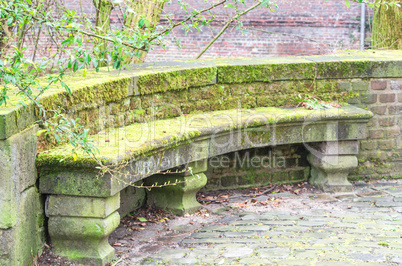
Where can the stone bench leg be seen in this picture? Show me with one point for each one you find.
(331, 162)
(79, 227)
(179, 198)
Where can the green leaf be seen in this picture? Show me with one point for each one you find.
(40, 132)
(229, 6)
(87, 59)
(141, 22)
(66, 87)
(142, 219)
(66, 42)
(75, 66)
(10, 21)
(347, 3)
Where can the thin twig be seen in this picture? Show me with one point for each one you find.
(187, 19)
(225, 27)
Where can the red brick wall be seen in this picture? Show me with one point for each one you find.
(329, 23)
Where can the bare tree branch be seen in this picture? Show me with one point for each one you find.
(226, 26)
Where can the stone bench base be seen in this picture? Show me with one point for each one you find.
(79, 227)
(331, 162)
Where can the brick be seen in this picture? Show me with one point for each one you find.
(368, 145)
(376, 133)
(379, 110)
(344, 85)
(354, 100)
(387, 121)
(359, 85)
(396, 85)
(395, 109)
(369, 98)
(378, 85)
(388, 144)
(392, 132)
(400, 97)
(387, 98)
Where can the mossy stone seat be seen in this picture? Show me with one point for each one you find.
(80, 198)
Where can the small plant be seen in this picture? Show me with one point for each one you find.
(385, 244)
(313, 103)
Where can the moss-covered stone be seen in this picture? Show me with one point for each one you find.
(266, 70)
(84, 240)
(179, 198)
(21, 243)
(60, 205)
(175, 80)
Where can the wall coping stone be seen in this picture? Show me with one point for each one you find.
(104, 87)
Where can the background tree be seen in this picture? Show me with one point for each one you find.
(80, 45)
(387, 26)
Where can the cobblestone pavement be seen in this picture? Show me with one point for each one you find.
(363, 227)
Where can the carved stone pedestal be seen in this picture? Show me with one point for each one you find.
(331, 162)
(179, 198)
(79, 227)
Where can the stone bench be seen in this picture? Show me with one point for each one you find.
(82, 204)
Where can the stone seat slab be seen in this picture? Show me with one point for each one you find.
(149, 148)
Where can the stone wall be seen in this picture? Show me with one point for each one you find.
(22, 232)
(381, 154)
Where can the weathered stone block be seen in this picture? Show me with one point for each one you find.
(388, 144)
(71, 206)
(179, 198)
(131, 198)
(18, 172)
(369, 98)
(82, 239)
(21, 243)
(347, 147)
(368, 145)
(360, 85)
(329, 173)
(14, 119)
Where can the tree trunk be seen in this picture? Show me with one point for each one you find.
(103, 12)
(5, 35)
(151, 11)
(387, 27)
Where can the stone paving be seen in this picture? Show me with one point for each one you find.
(364, 227)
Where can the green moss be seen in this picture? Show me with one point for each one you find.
(265, 72)
(112, 90)
(176, 80)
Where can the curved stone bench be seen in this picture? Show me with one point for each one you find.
(82, 206)
(80, 200)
